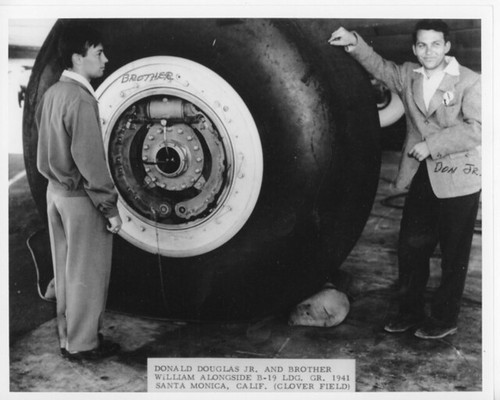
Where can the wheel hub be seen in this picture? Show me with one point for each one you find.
(172, 156)
(166, 165)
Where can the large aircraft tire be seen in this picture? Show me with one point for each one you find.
(317, 140)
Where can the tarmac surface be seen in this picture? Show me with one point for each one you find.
(384, 362)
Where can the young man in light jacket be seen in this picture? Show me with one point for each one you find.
(81, 198)
(440, 165)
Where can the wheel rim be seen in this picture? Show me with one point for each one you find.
(184, 153)
(389, 105)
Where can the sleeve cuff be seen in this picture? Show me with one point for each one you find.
(109, 212)
(435, 153)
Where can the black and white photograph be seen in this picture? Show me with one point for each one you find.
(245, 199)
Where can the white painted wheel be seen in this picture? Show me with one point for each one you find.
(184, 153)
(389, 105)
(393, 112)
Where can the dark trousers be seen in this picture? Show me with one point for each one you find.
(426, 221)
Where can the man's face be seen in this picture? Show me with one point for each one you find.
(92, 65)
(430, 49)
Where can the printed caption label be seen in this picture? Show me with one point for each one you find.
(250, 375)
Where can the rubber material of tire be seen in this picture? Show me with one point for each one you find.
(318, 126)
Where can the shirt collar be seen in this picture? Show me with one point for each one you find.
(79, 78)
(451, 67)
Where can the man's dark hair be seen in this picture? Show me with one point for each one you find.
(437, 25)
(76, 38)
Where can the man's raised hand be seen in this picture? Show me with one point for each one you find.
(343, 37)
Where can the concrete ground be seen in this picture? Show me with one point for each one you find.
(384, 362)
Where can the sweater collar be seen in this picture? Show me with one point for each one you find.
(79, 78)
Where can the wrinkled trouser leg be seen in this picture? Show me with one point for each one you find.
(81, 253)
(418, 238)
(426, 221)
(456, 229)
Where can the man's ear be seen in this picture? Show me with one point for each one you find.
(76, 59)
(447, 47)
(414, 50)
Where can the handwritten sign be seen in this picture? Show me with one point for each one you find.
(150, 77)
(468, 169)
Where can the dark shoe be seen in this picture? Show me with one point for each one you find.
(64, 352)
(402, 322)
(433, 330)
(105, 349)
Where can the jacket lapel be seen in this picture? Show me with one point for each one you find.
(446, 85)
(418, 92)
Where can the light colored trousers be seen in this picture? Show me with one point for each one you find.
(81, 255)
